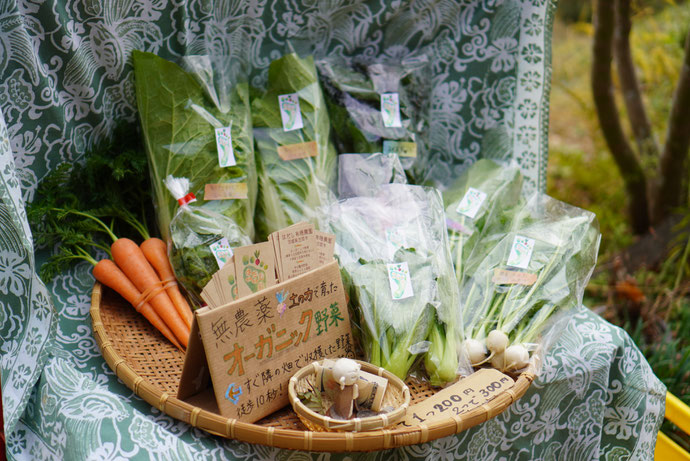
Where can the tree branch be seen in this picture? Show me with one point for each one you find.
(672, 167)
(639, 121)
(605, 103)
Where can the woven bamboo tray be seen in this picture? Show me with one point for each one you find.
(151, 366)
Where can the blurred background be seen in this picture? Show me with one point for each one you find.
(642, 281)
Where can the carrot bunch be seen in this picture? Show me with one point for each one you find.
(143, 276)
(80, 210)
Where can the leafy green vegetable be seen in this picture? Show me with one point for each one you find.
(353, 93)
(402, 224)
(469, 236)
(565, 242)
(80, 207)
(193, 231)
(179, 120)
(290, 190)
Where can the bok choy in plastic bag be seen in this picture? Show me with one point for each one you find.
(201, 241)
(379, 106)
(296, 160)
(538, 269)
(197, 124)
(393, 253)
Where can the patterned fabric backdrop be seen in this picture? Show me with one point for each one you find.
(66, 78)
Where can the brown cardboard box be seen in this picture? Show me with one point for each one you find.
(253, 346)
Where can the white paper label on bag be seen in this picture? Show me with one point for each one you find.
(521, 252)
(222, 251)
(471, 203)
(395, 239)
(399, 280)
(390, 110)
(290, 113)
(226, 156)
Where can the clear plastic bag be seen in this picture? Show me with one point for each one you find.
(296, 160)
(537, 270)
(363, 174)
(201, 240)
(197, 124)
(480, 204)
(394, 256)
(380, 106)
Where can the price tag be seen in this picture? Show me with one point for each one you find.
(463, 396)
(226, 191)
(505, 277)
(297, 151)
(400, 148)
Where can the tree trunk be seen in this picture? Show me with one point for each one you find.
(639, 121)
(602, 89)
(673, 165)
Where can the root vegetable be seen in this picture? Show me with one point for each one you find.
(516, 357)
(476, 351)
(497, 341)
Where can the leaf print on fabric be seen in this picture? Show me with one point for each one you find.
(503, 51)
(622, 422)
(290, 25)
(14, 272)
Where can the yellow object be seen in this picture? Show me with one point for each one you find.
(679, 414)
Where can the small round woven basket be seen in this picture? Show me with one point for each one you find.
(397, 396)
(151, 366)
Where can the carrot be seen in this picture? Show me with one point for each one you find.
(129, 257)
(156, 253)
(107, 272)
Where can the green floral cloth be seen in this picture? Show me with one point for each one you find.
(66, 77)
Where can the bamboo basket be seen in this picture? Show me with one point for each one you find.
(151, 366)
(397, 396)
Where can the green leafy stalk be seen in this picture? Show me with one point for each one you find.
(179, 122)
(291, 190)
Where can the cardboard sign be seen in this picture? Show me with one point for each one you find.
(463, 396)
(255, 344)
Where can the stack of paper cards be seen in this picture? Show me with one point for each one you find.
(299, 249)
(288, 253)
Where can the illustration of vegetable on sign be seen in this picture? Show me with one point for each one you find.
(281, 296)
(254, 272)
